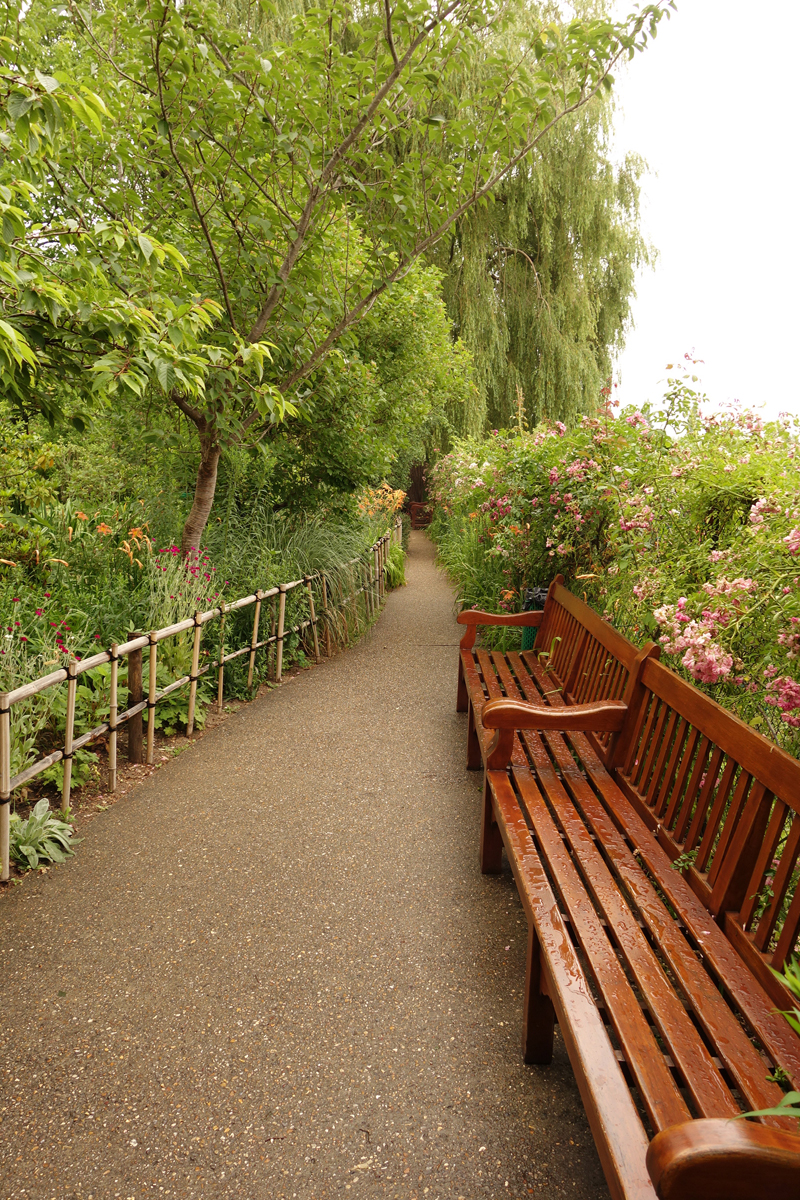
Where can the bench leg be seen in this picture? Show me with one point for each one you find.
(474, 760)
(462, 696)
(491, 838)
(538, 1017)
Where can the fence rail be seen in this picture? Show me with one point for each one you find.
(367, 580)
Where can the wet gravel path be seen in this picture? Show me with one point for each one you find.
(275, 970)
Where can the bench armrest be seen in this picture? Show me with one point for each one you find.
(605, 716)
(724, 1160)
(473, 617)
(506, 716)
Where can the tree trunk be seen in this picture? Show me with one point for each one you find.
(210, 451)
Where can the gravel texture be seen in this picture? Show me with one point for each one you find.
(275, 970)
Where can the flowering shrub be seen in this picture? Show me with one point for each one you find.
(676, 525)
(380, 503)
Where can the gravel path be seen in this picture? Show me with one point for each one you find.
(275, 971)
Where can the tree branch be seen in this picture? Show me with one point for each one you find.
(366, 303)
(189, 410)
(389, 37)
(329, 170)
(190, 188)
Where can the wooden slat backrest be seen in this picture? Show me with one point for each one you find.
(727, 799)
(587, 659)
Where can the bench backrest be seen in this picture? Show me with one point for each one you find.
(586, 658)
(727, 800)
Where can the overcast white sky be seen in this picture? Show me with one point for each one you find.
(712, 106)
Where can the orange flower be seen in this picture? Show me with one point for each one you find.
(136, 532)
(104, 529)
(82, 516)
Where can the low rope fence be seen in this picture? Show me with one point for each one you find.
(333, 606)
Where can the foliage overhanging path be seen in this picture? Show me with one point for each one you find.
(276, 968)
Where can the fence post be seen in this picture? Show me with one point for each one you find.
(5, 782)
(135, 696)
(326, 611)
(376, 601)
(72, 688)
(254, 638)
(221, 670)
(367, 597)
(279, 644)
(112, 721)
(151, 700)
(313, 617)
(353, 580)
(198, 629)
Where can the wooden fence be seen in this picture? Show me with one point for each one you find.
(366, 578)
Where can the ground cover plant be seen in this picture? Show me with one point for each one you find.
(678, 523)
(42, 838)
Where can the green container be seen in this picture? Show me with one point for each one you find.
(535, 598)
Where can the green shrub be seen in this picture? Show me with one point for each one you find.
(43, 838)
(789, 1106)
(396, 566)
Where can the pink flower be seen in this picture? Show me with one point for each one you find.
(792, 541)
(39, 612)
(637, 419)
(760, 509)
(784, 693)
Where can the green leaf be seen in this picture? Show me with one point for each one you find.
(145, 245)
(18, 105)
(47, 81)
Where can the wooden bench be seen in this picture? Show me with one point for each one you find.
(602, 767)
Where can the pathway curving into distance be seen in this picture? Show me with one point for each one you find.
(275, 971)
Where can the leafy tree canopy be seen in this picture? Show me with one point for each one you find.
(222, 202)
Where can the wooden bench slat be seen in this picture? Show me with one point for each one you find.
(754, 1003)
(766, 926)
(662, 1099)
(748, 995)
(723, 833)
(617, 645)
(680, 736)
(754, 753)
(684, 1045)
(495, 692)
(613, 1118)
(735, 1049)
(766, 855)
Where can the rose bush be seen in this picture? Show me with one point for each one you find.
(675, 523)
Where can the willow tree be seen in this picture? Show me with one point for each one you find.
(299, 184)
(539, 283)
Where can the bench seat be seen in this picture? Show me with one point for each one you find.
(667, 1025)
